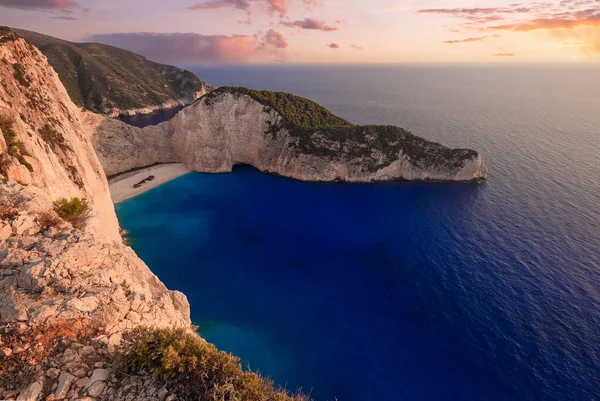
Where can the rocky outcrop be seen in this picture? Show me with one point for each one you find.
(228, 128)
(58, 283)
(51, 136)
(53, 274)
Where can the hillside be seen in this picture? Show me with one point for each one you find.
(113, 81)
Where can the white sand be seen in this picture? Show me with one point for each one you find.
(121, 186)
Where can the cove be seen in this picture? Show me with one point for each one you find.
(390, 291)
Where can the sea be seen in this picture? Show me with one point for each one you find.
(403, 291)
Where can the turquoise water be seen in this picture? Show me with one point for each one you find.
(404, 291)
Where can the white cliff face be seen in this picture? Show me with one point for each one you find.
(123, 147)
(55, 135)
(215, 135)
(61, 274)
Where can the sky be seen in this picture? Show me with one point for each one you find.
(324, 31)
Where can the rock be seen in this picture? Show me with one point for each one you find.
(64, 385)
(96, 389)
(53, 373)
(5, 352)
(171, 397)
(83, 382)
(162, 393)
(87, 350)
(99, 375)
(5, 230)
(24, 224)
(32, 392)
(227, 128)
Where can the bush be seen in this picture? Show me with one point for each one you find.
(20, 76)
(76, 211)
(10, 205)
(195, 369)
(53, 138)
(15, 148)
(48, 219)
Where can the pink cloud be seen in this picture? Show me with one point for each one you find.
(274, 6)
(311, 24)
(276, 39)
(195, 48)
(40, 4)
(333, 46)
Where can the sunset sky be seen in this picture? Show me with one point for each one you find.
(324, 31)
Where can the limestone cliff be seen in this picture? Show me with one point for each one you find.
(269, 131)
(50, 139)
(57, 283)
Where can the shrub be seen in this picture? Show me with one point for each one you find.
(53, 138)
(193, 368)
(76, 211)
(20, 76)
(10, 205)
(15, 148)
(48, 219)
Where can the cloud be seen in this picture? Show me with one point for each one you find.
(574, 20)
(504, 55)
(220, 4)
(357, 47)
(550, 23)
(40, 4)
(276, 39)
(333, 46)
(278, 6)
(468, 40)
(310, 5)
(274, 6)
(65, 17)
(196, 48)
(310, 23)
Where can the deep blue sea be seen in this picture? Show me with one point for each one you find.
(404, 291)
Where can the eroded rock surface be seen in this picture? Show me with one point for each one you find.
(220, 131)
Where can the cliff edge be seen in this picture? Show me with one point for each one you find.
(282, 134)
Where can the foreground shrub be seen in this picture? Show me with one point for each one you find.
(195, 369)
(48, 219)
(15, 147)
(76, 211)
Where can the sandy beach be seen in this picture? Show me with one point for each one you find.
(122, 186)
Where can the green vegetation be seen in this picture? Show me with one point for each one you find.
(76, 211)
(15, 148)
(321, 133)
(20, 76)
(195, 369)
(296, 110)
(101, 77)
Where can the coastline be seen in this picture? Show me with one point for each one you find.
(121, 186)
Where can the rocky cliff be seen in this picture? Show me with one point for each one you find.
(59, 284)
(282, 134)
(115, 82)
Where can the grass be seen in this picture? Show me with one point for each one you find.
(195, 369)
(75, 211)
(15, 147)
